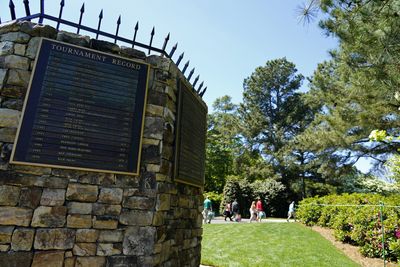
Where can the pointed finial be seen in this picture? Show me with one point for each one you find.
(101, 14)
(190, 74)
(62, 3)
(180, 59)
(173, 50)
(200, 86)
(202, 93)
(137, 26)
(119, 20)
(195, 81)
(185, 67)
(83, 8)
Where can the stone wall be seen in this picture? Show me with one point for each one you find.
(57, 217)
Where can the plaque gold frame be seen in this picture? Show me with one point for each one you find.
(47, 165)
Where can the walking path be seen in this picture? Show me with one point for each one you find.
(219, 220)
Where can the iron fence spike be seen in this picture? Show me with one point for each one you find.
(200, 86)
(99, 24)
(27, 9)
(134, 36)
(80, 18)
(60, 14)
(196, 80)
(190, 74)
(180, 59)
(12, 9)
(185, 67)
(202, 93)
(116, 32)
(173, 50)
(151, 39)
(165, 43)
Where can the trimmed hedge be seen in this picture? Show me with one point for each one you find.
(358, 225)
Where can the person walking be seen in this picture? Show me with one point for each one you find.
(207, 205)
(253, 212)
(260, 210)
(291, 211)
(228, 212)
(235, 211)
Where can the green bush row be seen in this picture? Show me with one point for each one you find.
(358, 225)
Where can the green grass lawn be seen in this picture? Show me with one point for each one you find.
(268, 244)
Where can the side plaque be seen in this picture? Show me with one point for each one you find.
(191, 138)
(84, 110)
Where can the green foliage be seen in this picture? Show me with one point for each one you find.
(245, 192)
(358, 225)
(268, 244)
(216, 200)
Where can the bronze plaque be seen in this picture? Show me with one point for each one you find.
(84, 110)
(191, 138)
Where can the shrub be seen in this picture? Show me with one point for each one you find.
(359, 225)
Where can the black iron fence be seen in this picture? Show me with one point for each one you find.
(41, 16)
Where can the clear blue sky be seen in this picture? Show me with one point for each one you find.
(225, 40)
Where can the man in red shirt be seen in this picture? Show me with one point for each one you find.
(260, 210)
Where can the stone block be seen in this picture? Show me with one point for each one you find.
(136, 217)
(4, 248)
(20, 49)
(107, 249)
(80, 192)
(139, 240)
(79, 208)
(41, 30)
(154, 111)
(22, 239)
(35, 170)
(133, 53)
(16, 37)
(69, 262)
(7, 135)
(30, 197)
(3, 74)
(48, 258)
(16, 62)
(5, 234)
(90, 261)
(59, 239)
(49, 216)
(6, 48)
(12, 91)
(105, 209)
(122, 261)
(103, 179)
(104, 46)
(111, 236)
(19, 77)
(138, 202)
(32, 47)
(79, 221)
(87, 235)
(9, 195)
(151, 154)
(15, 216)
(16, 259)
(100, 222)
(84, 249)
(153, 128)
(163, 202)
(110, 195)
(52, 197)
(73, 38)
